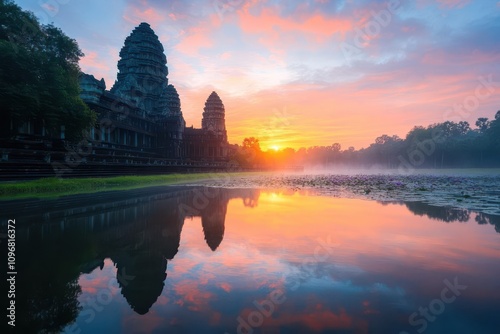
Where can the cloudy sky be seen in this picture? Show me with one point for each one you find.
(305, 73)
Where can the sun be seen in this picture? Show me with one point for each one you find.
(275, 148)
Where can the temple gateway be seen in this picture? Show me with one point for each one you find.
(140, 117)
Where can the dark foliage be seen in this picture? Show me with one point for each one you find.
(39, 75)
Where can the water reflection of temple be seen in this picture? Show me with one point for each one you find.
(139, 231)
(143, 248)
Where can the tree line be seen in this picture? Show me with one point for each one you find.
(39, 76)
(439, 145)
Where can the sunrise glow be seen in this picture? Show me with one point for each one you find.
(300, 73)
(251, 166)
(275, 147)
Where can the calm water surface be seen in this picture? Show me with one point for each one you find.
(199, 260)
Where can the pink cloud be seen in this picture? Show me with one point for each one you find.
(195, 39)
(137, 15)
(274, 28)
(101, 64)
(99, 280)
(191, 295)
(91, 62)
(225, 55)
(225, 286)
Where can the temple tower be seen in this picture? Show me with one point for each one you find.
(214, 116)
(209, 142)
(173, 101)
(173, 124)
(142, 71)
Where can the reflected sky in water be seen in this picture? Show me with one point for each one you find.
(200, 260)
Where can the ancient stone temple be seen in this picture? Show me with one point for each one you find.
(142, 111)
(140, 127)
(209, 142)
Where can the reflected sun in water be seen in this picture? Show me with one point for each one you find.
(241, 260)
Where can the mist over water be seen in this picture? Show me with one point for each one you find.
(326, 169)
(475, 189)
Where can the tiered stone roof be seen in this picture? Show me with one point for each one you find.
(173, 101)
(213, 115)
(142, 76)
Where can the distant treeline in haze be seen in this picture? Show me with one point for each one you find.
(440, 145)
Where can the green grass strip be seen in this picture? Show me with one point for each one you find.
(55, 187)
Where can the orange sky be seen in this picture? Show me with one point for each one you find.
(298, 74)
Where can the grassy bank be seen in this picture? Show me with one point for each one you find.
(53, 187)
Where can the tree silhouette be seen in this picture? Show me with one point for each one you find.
(39, 77)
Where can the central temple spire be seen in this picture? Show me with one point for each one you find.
(142, 76)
